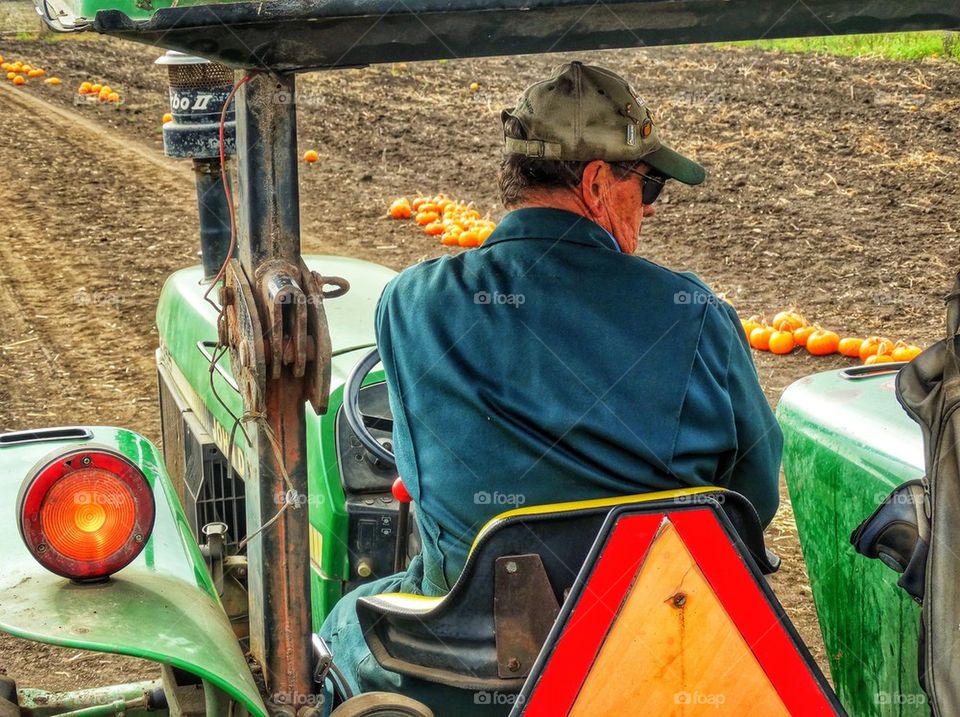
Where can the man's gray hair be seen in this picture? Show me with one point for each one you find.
(519, 174)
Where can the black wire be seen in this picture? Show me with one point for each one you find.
(215, 359)
(343, 689)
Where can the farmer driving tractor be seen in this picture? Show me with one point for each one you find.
(553, 364)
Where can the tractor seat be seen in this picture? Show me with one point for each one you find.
(487, 631)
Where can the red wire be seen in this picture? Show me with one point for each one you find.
(226, 188)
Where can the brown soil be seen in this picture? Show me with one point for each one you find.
(831, 188)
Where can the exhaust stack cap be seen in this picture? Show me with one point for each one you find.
(198, 91)
(172, 57)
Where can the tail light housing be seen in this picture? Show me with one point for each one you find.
(85, 512)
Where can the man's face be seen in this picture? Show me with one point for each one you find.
(616, 203)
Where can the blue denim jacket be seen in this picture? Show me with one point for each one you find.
(547, 366)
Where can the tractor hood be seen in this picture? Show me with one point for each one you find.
(188, 333)
(182, 311)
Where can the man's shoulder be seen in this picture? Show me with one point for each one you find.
(680, 281)
(419, 277)
(688, 288)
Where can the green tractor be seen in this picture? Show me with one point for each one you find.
(276, 492)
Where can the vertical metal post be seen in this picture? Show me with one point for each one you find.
(269, 236)
(214, 216)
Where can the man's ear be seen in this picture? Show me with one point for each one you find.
(593, 185)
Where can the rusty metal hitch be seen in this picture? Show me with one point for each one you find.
(287, 326)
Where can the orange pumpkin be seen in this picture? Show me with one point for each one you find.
(874, 345)
(400, 209)
(822, 342)
(792, 319)
(905, 352)
(850, 346)
(424, 218)
(760, 338)
(750, 324)
(782, 342)
(802, 334)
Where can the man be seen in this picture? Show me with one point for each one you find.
(553, 365)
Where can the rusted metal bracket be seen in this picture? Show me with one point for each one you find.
(293, 332)
(318, 377)
(525, 609)
(240, 330)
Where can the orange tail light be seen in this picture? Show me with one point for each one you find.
(85, 513)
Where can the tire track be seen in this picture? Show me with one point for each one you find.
(93, 224)
(90, 225)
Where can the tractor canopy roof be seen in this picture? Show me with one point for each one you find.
(300, 35)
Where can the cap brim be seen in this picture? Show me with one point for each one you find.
(675, 165)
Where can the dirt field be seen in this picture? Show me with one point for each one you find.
(831, 187)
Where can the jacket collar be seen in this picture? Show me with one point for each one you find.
(552, 224)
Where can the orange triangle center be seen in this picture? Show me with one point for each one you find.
(673, 649)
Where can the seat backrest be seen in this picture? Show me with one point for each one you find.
(486, 633)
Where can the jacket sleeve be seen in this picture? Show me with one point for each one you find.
(755, 472)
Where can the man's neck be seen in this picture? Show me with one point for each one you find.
(564, 201)
(553, 200)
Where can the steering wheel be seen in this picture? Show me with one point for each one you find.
(362, 423)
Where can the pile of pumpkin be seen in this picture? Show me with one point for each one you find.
(454, 223)
(18, 72)
(789, 330)
(103, 93)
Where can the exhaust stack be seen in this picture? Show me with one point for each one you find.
(198, 91)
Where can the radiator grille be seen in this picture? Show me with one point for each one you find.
(198, 469)
(221, 499)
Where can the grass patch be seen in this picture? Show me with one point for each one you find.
(895, 46)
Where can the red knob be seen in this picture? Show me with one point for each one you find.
(399, 491)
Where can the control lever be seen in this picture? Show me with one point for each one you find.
(399, 491)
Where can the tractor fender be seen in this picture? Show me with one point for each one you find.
(161, 607)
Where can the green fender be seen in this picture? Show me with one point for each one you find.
(162, 607)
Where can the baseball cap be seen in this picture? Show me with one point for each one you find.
(585, 112)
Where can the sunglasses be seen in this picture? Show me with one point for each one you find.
(652, 185)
